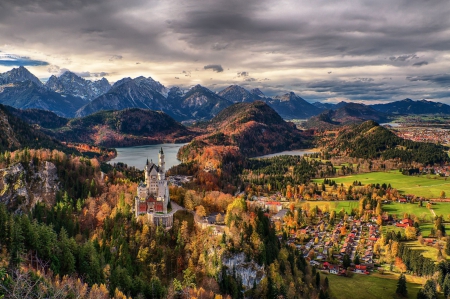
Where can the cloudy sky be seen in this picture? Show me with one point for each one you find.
(322, 50)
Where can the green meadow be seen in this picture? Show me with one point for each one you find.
(425, 186)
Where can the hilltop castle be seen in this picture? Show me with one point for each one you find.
(153, 194)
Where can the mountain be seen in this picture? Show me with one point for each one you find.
(16, 134)
(28, 94)
(252, 129)
(291, 106)
(19, 74)
(71, 84)
(201, 103)
(238, 94)
(128, 127)
(350, 113)
(140, 92)
(371, 141)
(408, 106)
(324, 106)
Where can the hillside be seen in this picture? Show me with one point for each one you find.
(408, 106)
(350, 113)
(16, 134)
(370, 140)
(42, 118)
(129, 127)
(252, 129)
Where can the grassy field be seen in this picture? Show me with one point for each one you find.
(427, 251)
(425, 228)
(418, 185)
(367, 286)
(400, 209)
(331, 205)
(424, 214)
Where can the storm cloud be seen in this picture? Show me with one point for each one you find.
(299, 45)
(215, 67)
(14, 60)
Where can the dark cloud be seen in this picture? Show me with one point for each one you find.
(115, 57)
(403, 57)
(441, 79)
(242, 74)
(215, 67)
(14, 60)
(219, 46)
(267, 38)
(419, 64)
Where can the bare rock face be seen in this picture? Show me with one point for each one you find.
(22, 187)
(249, 271)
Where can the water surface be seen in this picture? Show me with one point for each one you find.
(137, 155)
(299, 152)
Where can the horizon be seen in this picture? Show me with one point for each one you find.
(328, 52)
(187, 88)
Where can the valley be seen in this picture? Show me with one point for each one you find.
(245, 189)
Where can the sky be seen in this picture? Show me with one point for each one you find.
(362, 51)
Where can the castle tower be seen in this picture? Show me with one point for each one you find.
(162, 164)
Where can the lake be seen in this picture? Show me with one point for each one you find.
(299, 152)
(391, 124)
(137, 155)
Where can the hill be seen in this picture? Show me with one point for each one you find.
(350, 113)
(250, 129)
(42, 118)
(371, 141)
(128, 127)
(408, 106)
(16, 134)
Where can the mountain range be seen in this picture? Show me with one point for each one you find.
(70, 95)
(347, 113)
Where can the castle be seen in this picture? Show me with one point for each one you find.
(153, 197)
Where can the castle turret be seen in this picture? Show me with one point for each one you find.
(162, 164)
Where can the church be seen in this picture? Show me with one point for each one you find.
(153, 198)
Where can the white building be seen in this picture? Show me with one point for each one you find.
(153, 194)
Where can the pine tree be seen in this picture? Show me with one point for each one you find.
(401, 286)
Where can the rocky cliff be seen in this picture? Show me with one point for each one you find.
(21, 187)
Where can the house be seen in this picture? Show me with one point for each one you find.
(273, 206)
(361, 269)
(405, 223)
(333, 269)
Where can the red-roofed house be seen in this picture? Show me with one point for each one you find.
(361, 269)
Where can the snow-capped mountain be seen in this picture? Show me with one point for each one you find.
(19, 74)
(72, 84)
(238, 94)
(140, 92)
